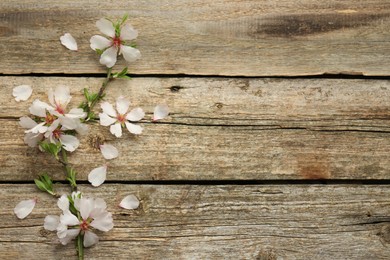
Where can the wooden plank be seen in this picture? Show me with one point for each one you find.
(251, 38)
(215, 222)
(221, 129)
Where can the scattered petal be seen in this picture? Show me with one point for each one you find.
(69, 42)
(134, 129)
(51, 222)
(109, 151)
(129, 202)
(97, 176)
(90, 239)
(160, 112)
(24, 208)
(22, 92)
(116, 130)
(135, 114)
(130, 54)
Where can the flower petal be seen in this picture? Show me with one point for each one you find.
(68, 219)
(103, 221)
(106, 120)
(122, 105)
(90, 239)
(63, 203)
(129, 202)
(38, 108)
(68, 235)
(108, 109)
(51, 222)
(39, 128)
(76, 113)
(160, 112)
(32, 139)
(68, 41)
(22, 92)
(108, 57)
(130, 54)
(106, 27)
(116, 129)
(109, 151)
(86, 206)
(99, 42)
(128, 33)
(135, 114)
(69, 142)
(61, 97)
(134, 129)
(27, 122)
(97, 176)
(24, 208)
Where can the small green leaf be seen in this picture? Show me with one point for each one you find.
(51, 148)
(44, 183)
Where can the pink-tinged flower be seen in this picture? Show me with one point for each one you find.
(97, 176)
(121, 117)
(24, 208)
(52, 121)
(160, 112)
(68, 41)
(92, 215)
(119, 35)
(22, 92)
(109, 151)
(129, 202)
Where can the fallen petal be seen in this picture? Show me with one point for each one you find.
(109, 151)
(69, 42)
(22, 92)
(97, 176)
(160, 112)
(24, 208)
(129, 202)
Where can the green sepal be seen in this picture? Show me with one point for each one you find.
(51, 148)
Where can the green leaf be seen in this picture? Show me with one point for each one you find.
(124, 18)
(51, 148)
(44, 183)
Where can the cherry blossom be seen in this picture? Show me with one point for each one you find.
(119, 34)
(22, 92)
(68, 41)
(121, 117)
(91, 214)
(24, 208)
(52, 121)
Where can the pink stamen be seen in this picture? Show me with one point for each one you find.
(57, 133)
(117, 41)
(84, 225)
(121, 118)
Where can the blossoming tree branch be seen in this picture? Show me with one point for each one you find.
(54, 128)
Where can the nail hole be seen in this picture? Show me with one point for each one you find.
(219, 105)
(175, 88)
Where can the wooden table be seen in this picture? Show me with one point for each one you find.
(277, 145)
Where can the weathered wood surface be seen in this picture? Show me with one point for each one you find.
(199, 37)
(221, 129)
(215, 222)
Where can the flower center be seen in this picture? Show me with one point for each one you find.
(60, 110)
(84, 225)
(57, 133)
(49, 119)
(117, 41)
(121, 118)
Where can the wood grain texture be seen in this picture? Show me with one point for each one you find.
(215, 222)
(221, 129)
(199, 37)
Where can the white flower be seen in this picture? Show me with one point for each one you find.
(68, 41)
(121, 117)
(22, 92)
(160, 112)
(97, 176)
(109, 151)
(93, 215)
(129, 202)
(53, 121)
(24, 208)
(117, 42)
